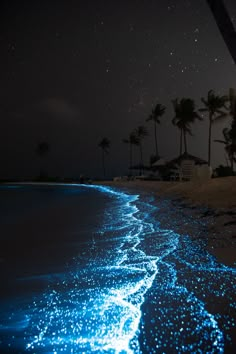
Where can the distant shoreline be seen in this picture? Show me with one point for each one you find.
(215, 193)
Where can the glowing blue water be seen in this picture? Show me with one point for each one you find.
(133, 288)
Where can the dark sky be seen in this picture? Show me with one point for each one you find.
(73, 72)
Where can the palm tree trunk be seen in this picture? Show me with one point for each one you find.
(209, 140)
(155, 130)
(103, 163)
(185, 143)
(231, 160)
(181, 142)
(232, 165)
(141, 159)
(130, 157)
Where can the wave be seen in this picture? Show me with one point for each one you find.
(124, 292)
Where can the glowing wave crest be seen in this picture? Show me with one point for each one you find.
(106, 317)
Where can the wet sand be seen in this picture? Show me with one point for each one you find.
(213, 202)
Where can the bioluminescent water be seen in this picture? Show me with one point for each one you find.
(123, 285)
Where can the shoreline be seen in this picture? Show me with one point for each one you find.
(207, 211)
(190, 287)
(215, 193)
(212, 203)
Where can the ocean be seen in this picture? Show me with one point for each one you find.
(90, 269)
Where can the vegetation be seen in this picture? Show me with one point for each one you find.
(223, 171)
(230, 133)
(185, 115)
(215, 106)
(104, 144)
(230, 147)
(141, 132)
(132, 140)
(155, 115)
(232, 130)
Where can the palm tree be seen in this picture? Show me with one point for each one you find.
(230, 134)
(141, 132)
(213, 105)
(42, 150)
(104, 144)
(230, 146)
(185, 114)
(132, 140)
(157, 112)
(232, 103)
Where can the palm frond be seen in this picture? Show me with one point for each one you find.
(150, 117)
(221, 112)
(204, 101)
(174, 120)
(141, 131)
(197, 116)
(104, 144)
(210, 93)
(220, 116)
(220, 141)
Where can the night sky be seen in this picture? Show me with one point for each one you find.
(73, 72)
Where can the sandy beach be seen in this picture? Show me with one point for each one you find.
(213, 202)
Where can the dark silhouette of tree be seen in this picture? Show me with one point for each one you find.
(42, 151)
(132, 140)
(185, 115)
(141, 132)
(230, 133)
(157, 112)
(213, 105)
(232, 108)
(104, 144)
(230, 147)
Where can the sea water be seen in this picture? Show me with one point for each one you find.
(88, 269)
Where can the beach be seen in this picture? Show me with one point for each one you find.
(213, 201)
(131, 268)
(207, 214)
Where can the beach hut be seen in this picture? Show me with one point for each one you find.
(159, 163)
(187, 167)
(186, 156)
